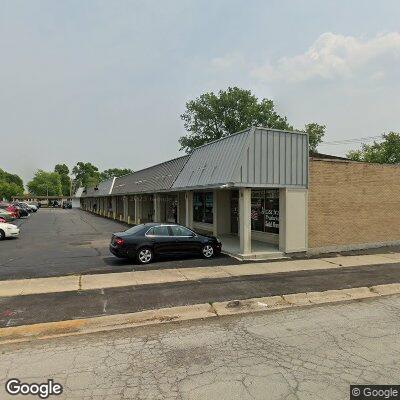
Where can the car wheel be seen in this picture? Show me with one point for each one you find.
(207, 251)
(144, 255)
(2, 235)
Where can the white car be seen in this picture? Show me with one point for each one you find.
(31, 207)
(8, 230)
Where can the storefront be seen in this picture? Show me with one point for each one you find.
(249, 188)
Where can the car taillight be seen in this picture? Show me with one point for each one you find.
(118, 241)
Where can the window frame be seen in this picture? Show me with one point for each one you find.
(158, 236)
(193, 234)
(199, 216)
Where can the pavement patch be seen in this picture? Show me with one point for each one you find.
(104, 323)
(190, 312)
(151, 277)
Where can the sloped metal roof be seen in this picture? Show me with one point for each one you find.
(79, 192)
(102, 189)
(213, 163)
(156, 178)
(256, 157)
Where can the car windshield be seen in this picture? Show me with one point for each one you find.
(134, 229)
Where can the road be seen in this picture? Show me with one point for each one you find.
(309, 353)
(30, 309)
(57, 242)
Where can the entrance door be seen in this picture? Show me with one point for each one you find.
(235, 211)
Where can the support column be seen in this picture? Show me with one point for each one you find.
(245, 220)
(181, 208)
(157, 207)
(215, 212)
(114, 207)
(189, 209)
(126, 204)
(138, 210)
(293, 220)
(103, 206)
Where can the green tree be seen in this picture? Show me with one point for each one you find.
(63, 171)
(11, 178)
(212, 116)
(10, 185)
(45, 183)
(114, 172)
(385, 152)
(316, 133)
(86, 174)
(7, 190)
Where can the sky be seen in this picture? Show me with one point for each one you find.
(106, 81)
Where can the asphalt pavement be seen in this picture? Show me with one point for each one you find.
(296, 354)
(48, 307)
(56, 242)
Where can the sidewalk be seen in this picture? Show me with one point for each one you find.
(139, 278)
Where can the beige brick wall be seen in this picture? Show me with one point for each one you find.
(351, 204)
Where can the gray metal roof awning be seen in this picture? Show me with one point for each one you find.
(159, 177)
(256, 157)
(102, 189)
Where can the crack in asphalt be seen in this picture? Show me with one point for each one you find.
(295, 354)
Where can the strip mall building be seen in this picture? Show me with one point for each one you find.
(262, 195)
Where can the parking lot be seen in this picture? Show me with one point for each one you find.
(55, 242)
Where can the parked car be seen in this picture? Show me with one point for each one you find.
(23, 210)
(31, 207)
(8, 230)
(67, 204)
(9, 207)
(144, 242)
(6, 215)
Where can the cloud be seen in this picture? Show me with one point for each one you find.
(229, 61)
(334, 56)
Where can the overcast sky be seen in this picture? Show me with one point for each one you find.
(106, 81)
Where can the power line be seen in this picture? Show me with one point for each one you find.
(353, 140)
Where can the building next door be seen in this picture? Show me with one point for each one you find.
(235, 211)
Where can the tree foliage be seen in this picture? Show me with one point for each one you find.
(212, 116)
(114, 172)
(316, 133)
(384, 152)
(10, 185)
(8, 190)
(63, 171)
(45, 183)
(86, 174)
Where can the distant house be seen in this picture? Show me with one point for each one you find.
(76, 199)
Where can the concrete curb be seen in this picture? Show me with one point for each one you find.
(191, 312)
(69, 283)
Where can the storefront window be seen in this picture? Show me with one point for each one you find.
(203, 207)
(265, 210)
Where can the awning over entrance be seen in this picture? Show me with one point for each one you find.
(257, 157)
